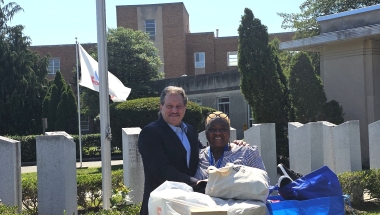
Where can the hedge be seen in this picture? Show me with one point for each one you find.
(141, 112)
(132, 113)
(28, 145)
(88, 190)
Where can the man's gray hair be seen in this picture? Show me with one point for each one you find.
(173, 90)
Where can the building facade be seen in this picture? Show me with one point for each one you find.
(189, 59)
(349, 47)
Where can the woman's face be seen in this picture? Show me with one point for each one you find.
(218, 133)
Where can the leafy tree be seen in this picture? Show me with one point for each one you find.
(307, 94)
(260, 80)
(7, 12)
(133, 59)
(305, 22)
(22, 80)
(306, 25)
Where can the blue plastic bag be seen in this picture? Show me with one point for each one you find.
(333, 205)
(320, 183)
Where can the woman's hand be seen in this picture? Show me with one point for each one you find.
(240, 143)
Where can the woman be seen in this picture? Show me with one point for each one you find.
(220, 151)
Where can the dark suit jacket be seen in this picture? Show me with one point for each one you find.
(164, 157)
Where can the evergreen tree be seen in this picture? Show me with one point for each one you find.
(22, 80)
(71, 112)
(61, 114)
(53, 103)
(307, 94)
(60, 107)
(260, 81)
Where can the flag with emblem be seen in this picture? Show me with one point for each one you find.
(90, 78)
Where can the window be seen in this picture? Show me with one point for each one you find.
(199, 59)
(197, 101)
(54, 66)
(232, 59)
(84, 123)
(150, 27)
(224, 105)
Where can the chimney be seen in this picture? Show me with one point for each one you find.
(217, 32)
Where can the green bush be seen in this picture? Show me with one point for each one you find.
(10, 210)
(28, 145)
(141, 112)
(354, 183)
(333, 112)
(88, 141)
(29, 193)
(88, 191)
(205, 112)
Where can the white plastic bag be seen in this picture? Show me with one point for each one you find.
(237, 182)
(176, 198)
(242, 207)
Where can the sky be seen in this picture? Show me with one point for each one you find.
(55, 22)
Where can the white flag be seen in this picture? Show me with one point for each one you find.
(90, 78)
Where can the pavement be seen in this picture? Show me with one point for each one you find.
(27, 169)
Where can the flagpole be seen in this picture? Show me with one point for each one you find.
(79, 127)
(105, 130)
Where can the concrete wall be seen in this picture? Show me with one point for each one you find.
(350, 73)
(148, 13)
(350, 21)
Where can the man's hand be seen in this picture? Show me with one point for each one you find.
(240, 143)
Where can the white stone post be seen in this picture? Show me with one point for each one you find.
(374, 145)
(328, 142)
(56, 174)
(132, 164)
(10, 172)
(299, 147)
(305, 146)
(264, 136)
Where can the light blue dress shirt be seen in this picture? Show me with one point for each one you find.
(181, 133)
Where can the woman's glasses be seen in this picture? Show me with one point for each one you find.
(217, 115)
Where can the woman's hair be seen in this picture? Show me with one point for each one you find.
(217, 114)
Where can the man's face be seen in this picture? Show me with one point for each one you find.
(173, 110)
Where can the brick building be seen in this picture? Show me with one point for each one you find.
(200, 56)
(182, 52)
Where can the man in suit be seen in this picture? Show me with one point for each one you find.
(169, 147)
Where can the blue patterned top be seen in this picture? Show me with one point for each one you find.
(242, 155)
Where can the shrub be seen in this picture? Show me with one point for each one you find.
(205, 112)
(354, 183)
(89, 188)
(333, 112)
(28, 147)
(29, 193)
(141, 112)
(10, 210)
